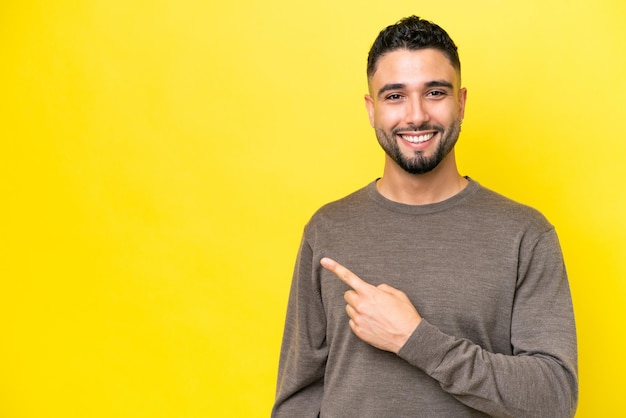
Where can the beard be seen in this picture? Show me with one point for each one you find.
(419, 163)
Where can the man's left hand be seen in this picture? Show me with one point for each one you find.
(381, 315)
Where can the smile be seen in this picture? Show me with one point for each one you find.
(417, 139)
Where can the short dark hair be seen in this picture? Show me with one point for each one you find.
(412, 33)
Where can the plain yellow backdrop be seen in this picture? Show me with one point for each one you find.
(159, 160)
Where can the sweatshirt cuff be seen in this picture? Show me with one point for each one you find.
(426, 347)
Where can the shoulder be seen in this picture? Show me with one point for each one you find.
(343, 208)
(495, 207)
(342, 214)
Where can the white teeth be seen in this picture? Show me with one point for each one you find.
(416, 139)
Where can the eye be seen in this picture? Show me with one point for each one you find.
(394, 97)
(436, 94)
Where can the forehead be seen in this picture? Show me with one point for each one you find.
(414, 66)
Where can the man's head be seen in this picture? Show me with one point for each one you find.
(412, 33)
(415, 101)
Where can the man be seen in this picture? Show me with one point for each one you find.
(454, 300)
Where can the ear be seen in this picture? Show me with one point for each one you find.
(462, 99)
(369, 105)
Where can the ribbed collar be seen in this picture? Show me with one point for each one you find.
(444, 205)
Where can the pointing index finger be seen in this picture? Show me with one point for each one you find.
(344, 274)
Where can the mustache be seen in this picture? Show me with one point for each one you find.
(415, 128)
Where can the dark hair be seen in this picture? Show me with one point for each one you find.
(412, 33)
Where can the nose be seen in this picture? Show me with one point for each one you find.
(416, 112)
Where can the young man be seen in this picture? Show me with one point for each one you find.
(454, 300)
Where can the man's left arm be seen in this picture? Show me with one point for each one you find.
(538, 380)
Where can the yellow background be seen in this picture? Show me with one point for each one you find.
(159, 160)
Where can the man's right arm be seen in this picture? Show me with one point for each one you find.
(304, 350)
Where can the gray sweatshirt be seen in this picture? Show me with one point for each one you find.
(486, 274)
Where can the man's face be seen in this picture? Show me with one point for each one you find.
(416, 106)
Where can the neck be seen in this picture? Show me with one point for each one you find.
(421, 189)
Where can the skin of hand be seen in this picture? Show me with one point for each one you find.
(382, 316)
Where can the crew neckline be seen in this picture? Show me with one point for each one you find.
(373, 193)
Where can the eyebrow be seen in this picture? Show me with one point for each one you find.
(391, 86)
(440, 83)
(400, 86)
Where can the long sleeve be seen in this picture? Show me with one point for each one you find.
(304, 349)
(540, 378)
(498, 337)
